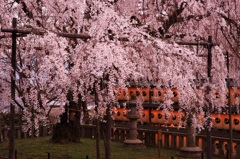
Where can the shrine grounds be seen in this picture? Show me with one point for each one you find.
(42, 148)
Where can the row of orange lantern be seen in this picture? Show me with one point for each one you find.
(158, 117)
(158, 94)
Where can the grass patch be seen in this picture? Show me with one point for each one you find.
(38, 148)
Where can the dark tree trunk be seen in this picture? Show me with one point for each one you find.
(97, 133)
(86, 119)
(108, 134)
(68, 130)
(97, 136)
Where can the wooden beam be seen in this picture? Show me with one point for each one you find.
(83, 36)
(195, 43)
(16, 30)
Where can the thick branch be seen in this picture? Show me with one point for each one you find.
(25, 9)
(19, 105)
(230, 44)
(174, 17)
(230, 21)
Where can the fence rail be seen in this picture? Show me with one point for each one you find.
(20, 134)
(170, 139)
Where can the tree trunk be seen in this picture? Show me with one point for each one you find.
(68, 130)
(86, 118)
(108, 134)
(97, 136)
(97, 133)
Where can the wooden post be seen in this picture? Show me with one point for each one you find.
(220, 146)
(49, 155)
(159, 142)
(173, 142)
(15, 154)
(209, 45)
(1, 135)
(108, 146)
(5, 135)
(44, 132)
(181, 141)
(25, 135)
(116, 135)
(229, 113)
(166, 140)
(146, 138)
(97, 133)
(204, 144)
(209, 110)
(14, 32)
(238, 149)
(12, 107)
(140, 135)
(19, 133)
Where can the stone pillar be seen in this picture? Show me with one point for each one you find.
(133, 115)
(191, 150)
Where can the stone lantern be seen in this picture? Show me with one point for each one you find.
(191, 150)
(133, 115)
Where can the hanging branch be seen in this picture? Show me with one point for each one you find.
(230, 44)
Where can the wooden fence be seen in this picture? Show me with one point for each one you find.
(170, 139)
(20, 134)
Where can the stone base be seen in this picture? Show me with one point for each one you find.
(190, 152)
(134, 143)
